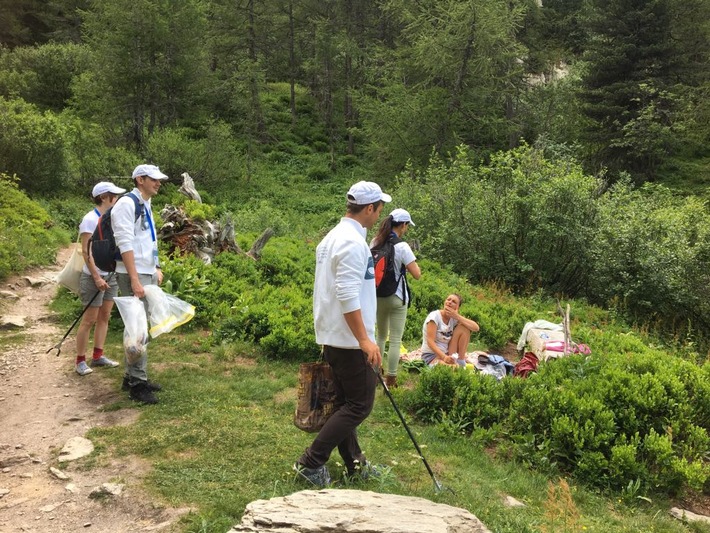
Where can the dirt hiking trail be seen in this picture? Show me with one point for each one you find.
(43, 404)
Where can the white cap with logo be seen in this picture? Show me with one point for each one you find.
(402, 215)
(367, 192)
(104, 187)
(149, 170)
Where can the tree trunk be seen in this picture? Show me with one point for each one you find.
(348, 102)
(292, 63)
(257, 115)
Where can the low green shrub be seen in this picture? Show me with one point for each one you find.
(28, 236)
(608, 420)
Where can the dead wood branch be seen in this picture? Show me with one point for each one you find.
(258, 246)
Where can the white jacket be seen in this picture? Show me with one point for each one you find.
(344, 282)
(136, 235)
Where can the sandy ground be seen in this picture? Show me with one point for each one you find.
(44, 403)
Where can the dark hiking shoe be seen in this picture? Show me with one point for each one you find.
(142, 393)
(152, 385)
(320, 477)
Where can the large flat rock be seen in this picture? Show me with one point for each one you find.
(354, 511)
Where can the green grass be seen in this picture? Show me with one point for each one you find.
(222, 436)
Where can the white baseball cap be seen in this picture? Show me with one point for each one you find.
(149, 170)
(367, 192)
(402, 215)
(104, 187)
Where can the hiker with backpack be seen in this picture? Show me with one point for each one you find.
(134, 231)
(446, 334)
(393, 294)
(92, 281)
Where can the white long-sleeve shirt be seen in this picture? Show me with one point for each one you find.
(136, 235)
(344, 282)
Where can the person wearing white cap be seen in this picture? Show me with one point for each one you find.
(344, 309)
(394, 296)
(139, 265)
(94, 280)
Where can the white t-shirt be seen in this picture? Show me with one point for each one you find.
(403, 255)
(444, 332)
(88, 225)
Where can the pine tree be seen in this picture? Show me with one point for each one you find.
(628, 85)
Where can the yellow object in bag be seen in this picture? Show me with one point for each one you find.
(165, 311)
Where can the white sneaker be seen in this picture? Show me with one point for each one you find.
(82, 369)
(104, 361)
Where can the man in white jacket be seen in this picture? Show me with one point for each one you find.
(344, 311)
(138, 266)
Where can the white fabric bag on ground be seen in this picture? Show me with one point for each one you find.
(165, 311)
(135, 332)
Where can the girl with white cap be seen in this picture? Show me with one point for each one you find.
(392, 310)
(104, 194)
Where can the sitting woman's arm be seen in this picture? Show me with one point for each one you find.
(469, 324)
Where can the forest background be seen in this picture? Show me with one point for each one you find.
(543, 150)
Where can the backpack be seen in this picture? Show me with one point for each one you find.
(386, 279)
(103, 244)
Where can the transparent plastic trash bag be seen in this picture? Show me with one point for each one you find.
(165, 311)
(135, 332)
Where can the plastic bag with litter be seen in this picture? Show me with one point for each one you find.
(135, 332)
(165, 311)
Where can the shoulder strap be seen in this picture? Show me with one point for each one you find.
(394, 239)
(137, 203)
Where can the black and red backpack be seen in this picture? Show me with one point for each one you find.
(387, 280)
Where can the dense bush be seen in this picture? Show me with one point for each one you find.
(42, 75)
(263, 301)
(651, 256)
(520, 219)
(535, 223)
(608, 419)
(211, 157)
(28, 236)
(91, 158)
(32, 146)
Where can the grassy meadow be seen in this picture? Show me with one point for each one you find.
(222, 436)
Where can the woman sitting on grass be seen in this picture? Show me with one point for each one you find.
(446, 334)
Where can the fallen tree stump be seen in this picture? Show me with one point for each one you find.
(202, 238)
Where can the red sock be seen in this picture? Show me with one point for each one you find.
(80, 358)
(98, 352)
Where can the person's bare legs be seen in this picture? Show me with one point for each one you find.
(101, 329)
(459, 341)
(82, 334)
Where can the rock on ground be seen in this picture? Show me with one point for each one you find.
(354, 511)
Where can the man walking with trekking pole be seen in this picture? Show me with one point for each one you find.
(344, 310)
(139, 265)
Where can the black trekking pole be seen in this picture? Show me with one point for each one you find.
(58, 346)
(437, 486)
